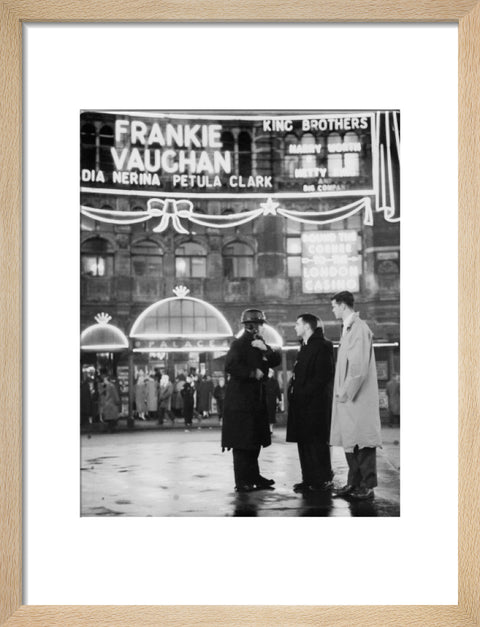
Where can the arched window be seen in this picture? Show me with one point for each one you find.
(244, 154)
(308, 151)
(228, 143)
(343, 155)
(352, 146)
(147, 259)
(97, 257)
(190, 261)
(335, 158)
(87, 143)
(237, 261)
(264, 156)
(106, 141)
(291, 159)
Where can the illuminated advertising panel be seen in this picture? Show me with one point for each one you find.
(192, 155)
(331, 262)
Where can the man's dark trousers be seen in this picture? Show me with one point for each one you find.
(315, 461)
(245, 466)
(362, 467)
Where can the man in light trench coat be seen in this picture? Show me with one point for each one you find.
(355, 411)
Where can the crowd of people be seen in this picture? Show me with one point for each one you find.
(100, 399)
(189, 396)
(157, 398)
(328, 404)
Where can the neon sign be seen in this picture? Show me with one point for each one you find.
(172, 152)
(169, 345)
(177, 158)
(330, 261)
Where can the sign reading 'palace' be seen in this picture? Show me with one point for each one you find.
(202, 345)
(227, 155)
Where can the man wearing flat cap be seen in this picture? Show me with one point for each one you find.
(245, 427)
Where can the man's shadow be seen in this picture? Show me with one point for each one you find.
(316, 504)
(245, 504)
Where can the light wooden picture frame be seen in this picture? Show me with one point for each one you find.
(15, 13)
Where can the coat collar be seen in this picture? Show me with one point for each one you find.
(351, 321)
(316, 335)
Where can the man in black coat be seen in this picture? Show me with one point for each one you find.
(245, 427)
(310, 405)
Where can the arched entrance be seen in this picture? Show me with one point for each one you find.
(178, 335)
(103, 346)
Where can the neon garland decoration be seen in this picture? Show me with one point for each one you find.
(171, 211)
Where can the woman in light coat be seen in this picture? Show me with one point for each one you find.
(165, 392)
(141, 396)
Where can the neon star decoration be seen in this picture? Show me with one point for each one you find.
(269, 207)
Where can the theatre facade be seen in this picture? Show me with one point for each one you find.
(187, 218)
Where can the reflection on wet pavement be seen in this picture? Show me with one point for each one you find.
(173, 473)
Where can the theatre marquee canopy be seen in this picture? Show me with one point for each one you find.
(103, 337)
(181, 324)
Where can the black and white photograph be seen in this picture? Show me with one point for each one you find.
(240, 313)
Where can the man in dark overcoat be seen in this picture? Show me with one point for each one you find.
(310, 405)
(245, 427)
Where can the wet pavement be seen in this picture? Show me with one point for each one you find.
(171, 472)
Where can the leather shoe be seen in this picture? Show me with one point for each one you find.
(263, 486)
(245, 487)
(362, 494)
(264, 482)
(345, 490)
(300, 487)
(326, 486)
